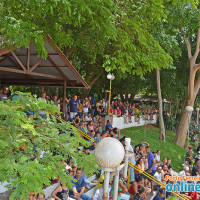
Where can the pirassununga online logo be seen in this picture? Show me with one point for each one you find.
(182, 184)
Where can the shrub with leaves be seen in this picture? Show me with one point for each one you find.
(22, 139)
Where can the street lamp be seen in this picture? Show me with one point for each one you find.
(109, 153)
(197, 115)
(111, 77)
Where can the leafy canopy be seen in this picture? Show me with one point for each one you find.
(22, 140)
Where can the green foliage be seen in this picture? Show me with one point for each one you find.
(168, 148)
(22, 140)
(32, 20)
(136, 51)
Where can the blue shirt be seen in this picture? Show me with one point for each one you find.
(157, 197)
(69, 119)
(108, 126)
(92, 102)
(150, 161)
(73, 105)
(79, 184)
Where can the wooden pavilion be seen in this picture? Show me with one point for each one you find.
(23, 67)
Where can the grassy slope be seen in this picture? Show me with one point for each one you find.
(168, 149)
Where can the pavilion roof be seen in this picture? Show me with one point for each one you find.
(23, 67)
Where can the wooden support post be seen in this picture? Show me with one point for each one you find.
(64, 96)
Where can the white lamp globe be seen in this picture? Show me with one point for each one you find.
(189, 108)
(109, 76)
(109, 153)
(112, 77)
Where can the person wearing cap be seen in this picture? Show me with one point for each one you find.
(3, 94)
(160, 195)
(158, 175)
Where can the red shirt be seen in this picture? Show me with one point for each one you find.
(131, 191)
(118, 112)
(193, 195)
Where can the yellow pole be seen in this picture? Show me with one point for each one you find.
(109, 98)
(129, 174)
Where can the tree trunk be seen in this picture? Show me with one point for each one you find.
(193, 88)
(184, 121)
(122, 96)
(161, 121)
(126, 95)
(132, 98)
(182, 129)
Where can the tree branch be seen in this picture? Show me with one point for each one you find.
(196, 87)
(197, 66)
(188, 45)
(196, 53)
(95, 79)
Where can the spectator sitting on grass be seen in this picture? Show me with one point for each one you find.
(157, 158)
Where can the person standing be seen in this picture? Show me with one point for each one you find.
(42, 112)
(151, 165)
(4, 94)
(73, 106)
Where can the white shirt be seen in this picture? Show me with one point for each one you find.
(87, 119)
(85, 109)
(158, 176)
(42, 112)
(157, 157)
(182, 173)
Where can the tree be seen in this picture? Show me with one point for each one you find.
(187, 29)
(160, 107)
(69, 23)
(22, 140)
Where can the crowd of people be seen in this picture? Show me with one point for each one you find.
(86, 115)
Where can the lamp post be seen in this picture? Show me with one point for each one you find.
(197, 115)
(189, 110)
(110, 77)
(109, 153)
(127, 145)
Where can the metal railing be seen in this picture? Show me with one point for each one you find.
(129, 163)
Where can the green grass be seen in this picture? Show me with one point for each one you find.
(168, 148)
